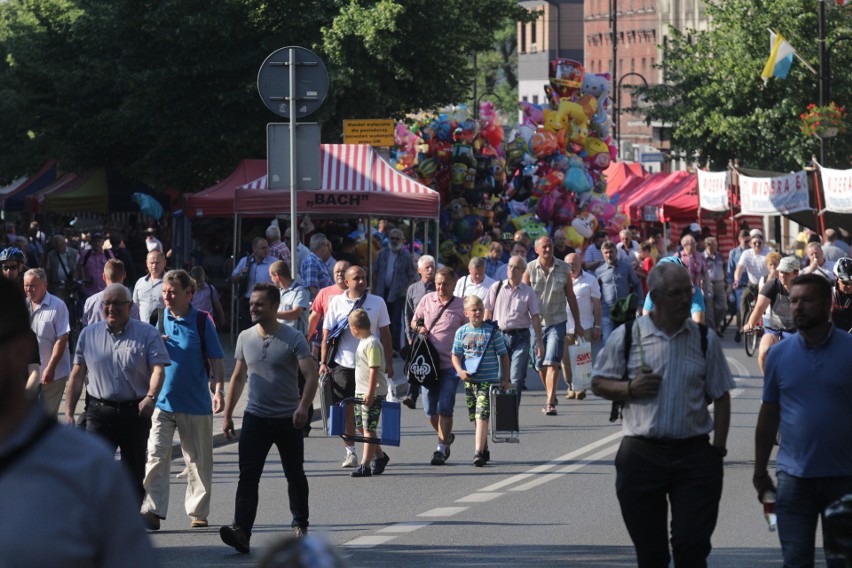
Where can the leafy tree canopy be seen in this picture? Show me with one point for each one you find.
(716, 102)
(165, 90)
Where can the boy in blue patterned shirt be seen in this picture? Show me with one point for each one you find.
(480, 340)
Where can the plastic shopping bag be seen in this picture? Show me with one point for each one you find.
(580, 355)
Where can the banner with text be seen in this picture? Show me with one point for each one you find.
(837, 186)
(713, 190)
(774, 195)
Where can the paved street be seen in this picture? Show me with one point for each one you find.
(548, 500)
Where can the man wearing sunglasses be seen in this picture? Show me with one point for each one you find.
(12, 263)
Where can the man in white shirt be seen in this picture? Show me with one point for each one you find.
(476, 282)
(628, 249)
(753, 261)
(587, 290)
(148, 292)
(818, 263)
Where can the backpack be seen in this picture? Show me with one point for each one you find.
(200, 326)
(107, 253)
(618, 405)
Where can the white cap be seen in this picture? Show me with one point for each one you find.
(695, 228)
(755, 233)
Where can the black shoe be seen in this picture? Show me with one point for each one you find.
(479, 459)
(379, 464)
(486, 455)
(738, 336)
(438, 458)
(409, 402)
(235, 537)
(362, 470)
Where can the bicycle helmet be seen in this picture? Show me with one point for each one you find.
(843, 269)
(673, 259)
(12, 253)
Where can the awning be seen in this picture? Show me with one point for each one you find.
(14, 200)
(218, 200)
(656, 185)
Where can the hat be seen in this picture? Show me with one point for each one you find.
(150, 230)
(756, 233)
(507, 236)
(789, 264)
(695, 228)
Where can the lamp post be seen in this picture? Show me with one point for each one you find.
(618, 106)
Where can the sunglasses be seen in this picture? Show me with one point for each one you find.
(9, 267)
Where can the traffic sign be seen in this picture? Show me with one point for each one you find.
(311, 81)
(375, 132)
(307, 155)
(652, 157)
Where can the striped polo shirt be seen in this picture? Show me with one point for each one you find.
(470, 342)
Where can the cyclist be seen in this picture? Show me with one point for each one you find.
(841, 311)
(12, 263)
(753, 261)
(775, 296)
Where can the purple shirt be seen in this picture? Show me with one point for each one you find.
(514, 307)
(443, 332)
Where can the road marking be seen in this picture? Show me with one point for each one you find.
(368, 541)
(541, 480)
(443, 511)
(406, 527)
(553, 463)
(479, 497)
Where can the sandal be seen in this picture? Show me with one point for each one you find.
(550, 410)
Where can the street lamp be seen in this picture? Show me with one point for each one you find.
(618, 106)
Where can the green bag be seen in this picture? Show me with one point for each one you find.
(624, 310)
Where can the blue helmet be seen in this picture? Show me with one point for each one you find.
(673, 260)
(12, 253)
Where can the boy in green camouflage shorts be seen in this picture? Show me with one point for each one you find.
(473, 340)
(371, 387)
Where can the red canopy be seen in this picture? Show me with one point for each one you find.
(647, 193)
(355, 180)
(218, 200)
(683, 203)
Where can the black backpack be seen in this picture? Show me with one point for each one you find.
(618, 405)
(200, 326)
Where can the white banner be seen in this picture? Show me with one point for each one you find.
(713, 190)
(837, 187)
(771, 196)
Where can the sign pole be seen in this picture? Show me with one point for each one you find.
(293, 230)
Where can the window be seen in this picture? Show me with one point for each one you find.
(522, 43)
(535, 99)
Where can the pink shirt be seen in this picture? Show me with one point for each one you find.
(320, 305)
(514, 307)
(443, 332)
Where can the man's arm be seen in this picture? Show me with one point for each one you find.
(738, 273)
(572, 305)
(721, 420)
(597, 312)
(235, 390)
(645, 385)
(146, 406)
(58, 351)
(290, 315)
(758, 311)
(217, 383)
(309, 370)
(73, 391)
(765, 434)
(32, 378)
(539, 337)
(387, 346)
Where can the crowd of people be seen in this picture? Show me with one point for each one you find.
(148, 362)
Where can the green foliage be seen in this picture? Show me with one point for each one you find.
(718, 105)
(165, 90)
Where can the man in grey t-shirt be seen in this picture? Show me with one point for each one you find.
(269, 353)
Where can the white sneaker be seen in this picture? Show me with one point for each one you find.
(350, 461)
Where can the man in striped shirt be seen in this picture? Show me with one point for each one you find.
(666, 454)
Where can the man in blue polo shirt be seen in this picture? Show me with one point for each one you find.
(184, 404)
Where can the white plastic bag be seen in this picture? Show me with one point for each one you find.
(580, 355)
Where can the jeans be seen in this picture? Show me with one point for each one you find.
(650, 475)
(256, 439)
(554, 345)
(606, 322)
(800, 503)
(395, 315)
(518, 345)
(441, 401)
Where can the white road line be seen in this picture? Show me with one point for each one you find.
(479, 497)
(368, 541)
(541, 480)
(443, 511)
(406, 527)
(553, 463)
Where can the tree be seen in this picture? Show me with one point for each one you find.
(713, 96)
(165, 90)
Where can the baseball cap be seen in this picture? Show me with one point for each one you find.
(789, 264)
(756, 233)
(695, 228)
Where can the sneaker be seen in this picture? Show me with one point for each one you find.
(198, 524)
(580, 395)
(479, 459)
(350, 461)
(379, 464)
(300, 532)
(235, 537)
(409, 402)
(570, 394)
(438, 458)
(362, 470)
(152, 521)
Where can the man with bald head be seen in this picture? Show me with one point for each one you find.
(341, 364)
(320, 304)
(587, 290)
(148, 292)
(122, 363)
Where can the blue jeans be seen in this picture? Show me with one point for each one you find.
(800, 503)
(606, 323)
(518, 346)
(441, 401)
(256, 439)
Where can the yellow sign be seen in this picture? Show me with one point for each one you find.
(375, 132)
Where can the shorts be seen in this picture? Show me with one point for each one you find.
(342, 383)
(478, 401)
(368, 416)
(554, 346)
(441, 400)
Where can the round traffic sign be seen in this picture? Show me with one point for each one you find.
(310, 86)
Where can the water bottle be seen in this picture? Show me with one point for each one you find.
(769, 509)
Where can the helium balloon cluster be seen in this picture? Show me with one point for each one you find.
(545, 177)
